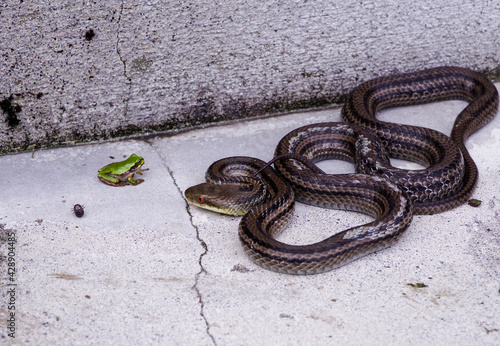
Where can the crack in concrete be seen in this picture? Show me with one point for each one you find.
(197, 276)
(200, 261)
(124, 62)
(202, 270)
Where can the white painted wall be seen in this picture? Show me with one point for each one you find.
(162, 65)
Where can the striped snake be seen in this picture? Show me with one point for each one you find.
(265, 197)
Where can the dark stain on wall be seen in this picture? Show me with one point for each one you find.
(10, 109)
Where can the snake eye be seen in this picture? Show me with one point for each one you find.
(201, 199)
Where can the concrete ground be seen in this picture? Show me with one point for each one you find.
(143, 267)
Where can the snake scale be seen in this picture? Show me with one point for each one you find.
(265, 197)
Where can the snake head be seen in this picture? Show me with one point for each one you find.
(235, 198)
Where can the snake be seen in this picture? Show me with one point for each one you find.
(265, 197)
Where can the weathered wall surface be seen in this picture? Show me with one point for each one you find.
(85, 70)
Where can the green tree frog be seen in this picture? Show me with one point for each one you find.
(122, 173)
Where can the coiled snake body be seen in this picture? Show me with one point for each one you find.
(388, 194)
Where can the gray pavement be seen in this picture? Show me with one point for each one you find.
(143, 267)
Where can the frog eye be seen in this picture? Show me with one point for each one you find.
(200, 199)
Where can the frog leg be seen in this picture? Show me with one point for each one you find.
(112, 181)
(142, 170)
(131, 180)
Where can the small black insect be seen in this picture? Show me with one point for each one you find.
(78, 210)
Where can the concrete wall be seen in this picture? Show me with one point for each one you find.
(74, 71)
